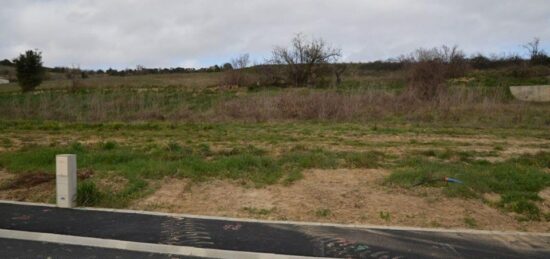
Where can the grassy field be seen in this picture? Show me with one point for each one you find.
(326, 148)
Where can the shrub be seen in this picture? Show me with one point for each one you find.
(429, 70)
(235, 74)
(30, 72)
(88, 194)
(427, 79)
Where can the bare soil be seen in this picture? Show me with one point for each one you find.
(34, 189)
(342, 196)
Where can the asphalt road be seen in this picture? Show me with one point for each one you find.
(261, 237)
(11, 248)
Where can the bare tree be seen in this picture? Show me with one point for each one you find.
(339, 70)
(304, 57)
(533, 48)
(236, 76)
(537, 55)
(429, 70)
(74, 74)
(241, 61)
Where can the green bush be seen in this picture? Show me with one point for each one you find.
(88, 194)
(30, 72)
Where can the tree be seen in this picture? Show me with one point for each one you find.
(227, 66)
(6, 62)
(75, 75)
(240, 62)
(234, 74)
(339, 70)
(304, 58)
(537, 55)
(533, 48)
(30, 72)
(429, 70)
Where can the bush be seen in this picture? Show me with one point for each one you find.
(429, 70)
(427, 79)
(30, 72)
(88, 194)
(235, 74)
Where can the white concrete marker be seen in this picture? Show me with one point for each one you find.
(65, 180)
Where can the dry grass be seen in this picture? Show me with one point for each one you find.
(343, 196)
(458, 105)
(183, 80)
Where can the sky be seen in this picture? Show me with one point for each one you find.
(199, 33)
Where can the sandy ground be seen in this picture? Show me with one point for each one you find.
(342, 196)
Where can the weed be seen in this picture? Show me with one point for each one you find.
(385, 215)
(323, 213)
(259, 212)
(6, 143)
(174, 147)
(88, 194)
(498, 147)
(470, 222)
(109, 145)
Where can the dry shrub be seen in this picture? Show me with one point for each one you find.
(429, 70)
(427, 80)
(471, 106)
(235, 78)
(308, 105)
(457, 105)
(236, 75)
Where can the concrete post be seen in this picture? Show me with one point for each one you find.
(66, 180)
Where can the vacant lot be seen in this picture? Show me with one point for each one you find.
(359, 153)
(350, 173)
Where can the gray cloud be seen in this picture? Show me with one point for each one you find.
(100, 34)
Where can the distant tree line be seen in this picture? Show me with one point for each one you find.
(140, 70)
(305, 62)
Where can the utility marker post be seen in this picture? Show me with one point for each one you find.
(65, 179)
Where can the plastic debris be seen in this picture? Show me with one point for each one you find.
(452, 180)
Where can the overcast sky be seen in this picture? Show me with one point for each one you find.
(195, 33)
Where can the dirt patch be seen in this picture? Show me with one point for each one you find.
(492, 197)
(343, 196)
(4, 177)
(27, 181)
(113, 183)
(34, 189)
(545, 204)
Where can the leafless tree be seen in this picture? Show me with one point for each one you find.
(240, 62)
(339, 70)
(429, 70)
(533, 48)
(74, 74)
(304, 57)
(537, 55)
(236, 76)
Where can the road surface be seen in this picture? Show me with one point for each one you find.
(45, 231)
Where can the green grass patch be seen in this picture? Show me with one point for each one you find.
(323, 213)
(258, 212)
(470, 222)
(88, 194)
(197, 162)
(517, 180)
